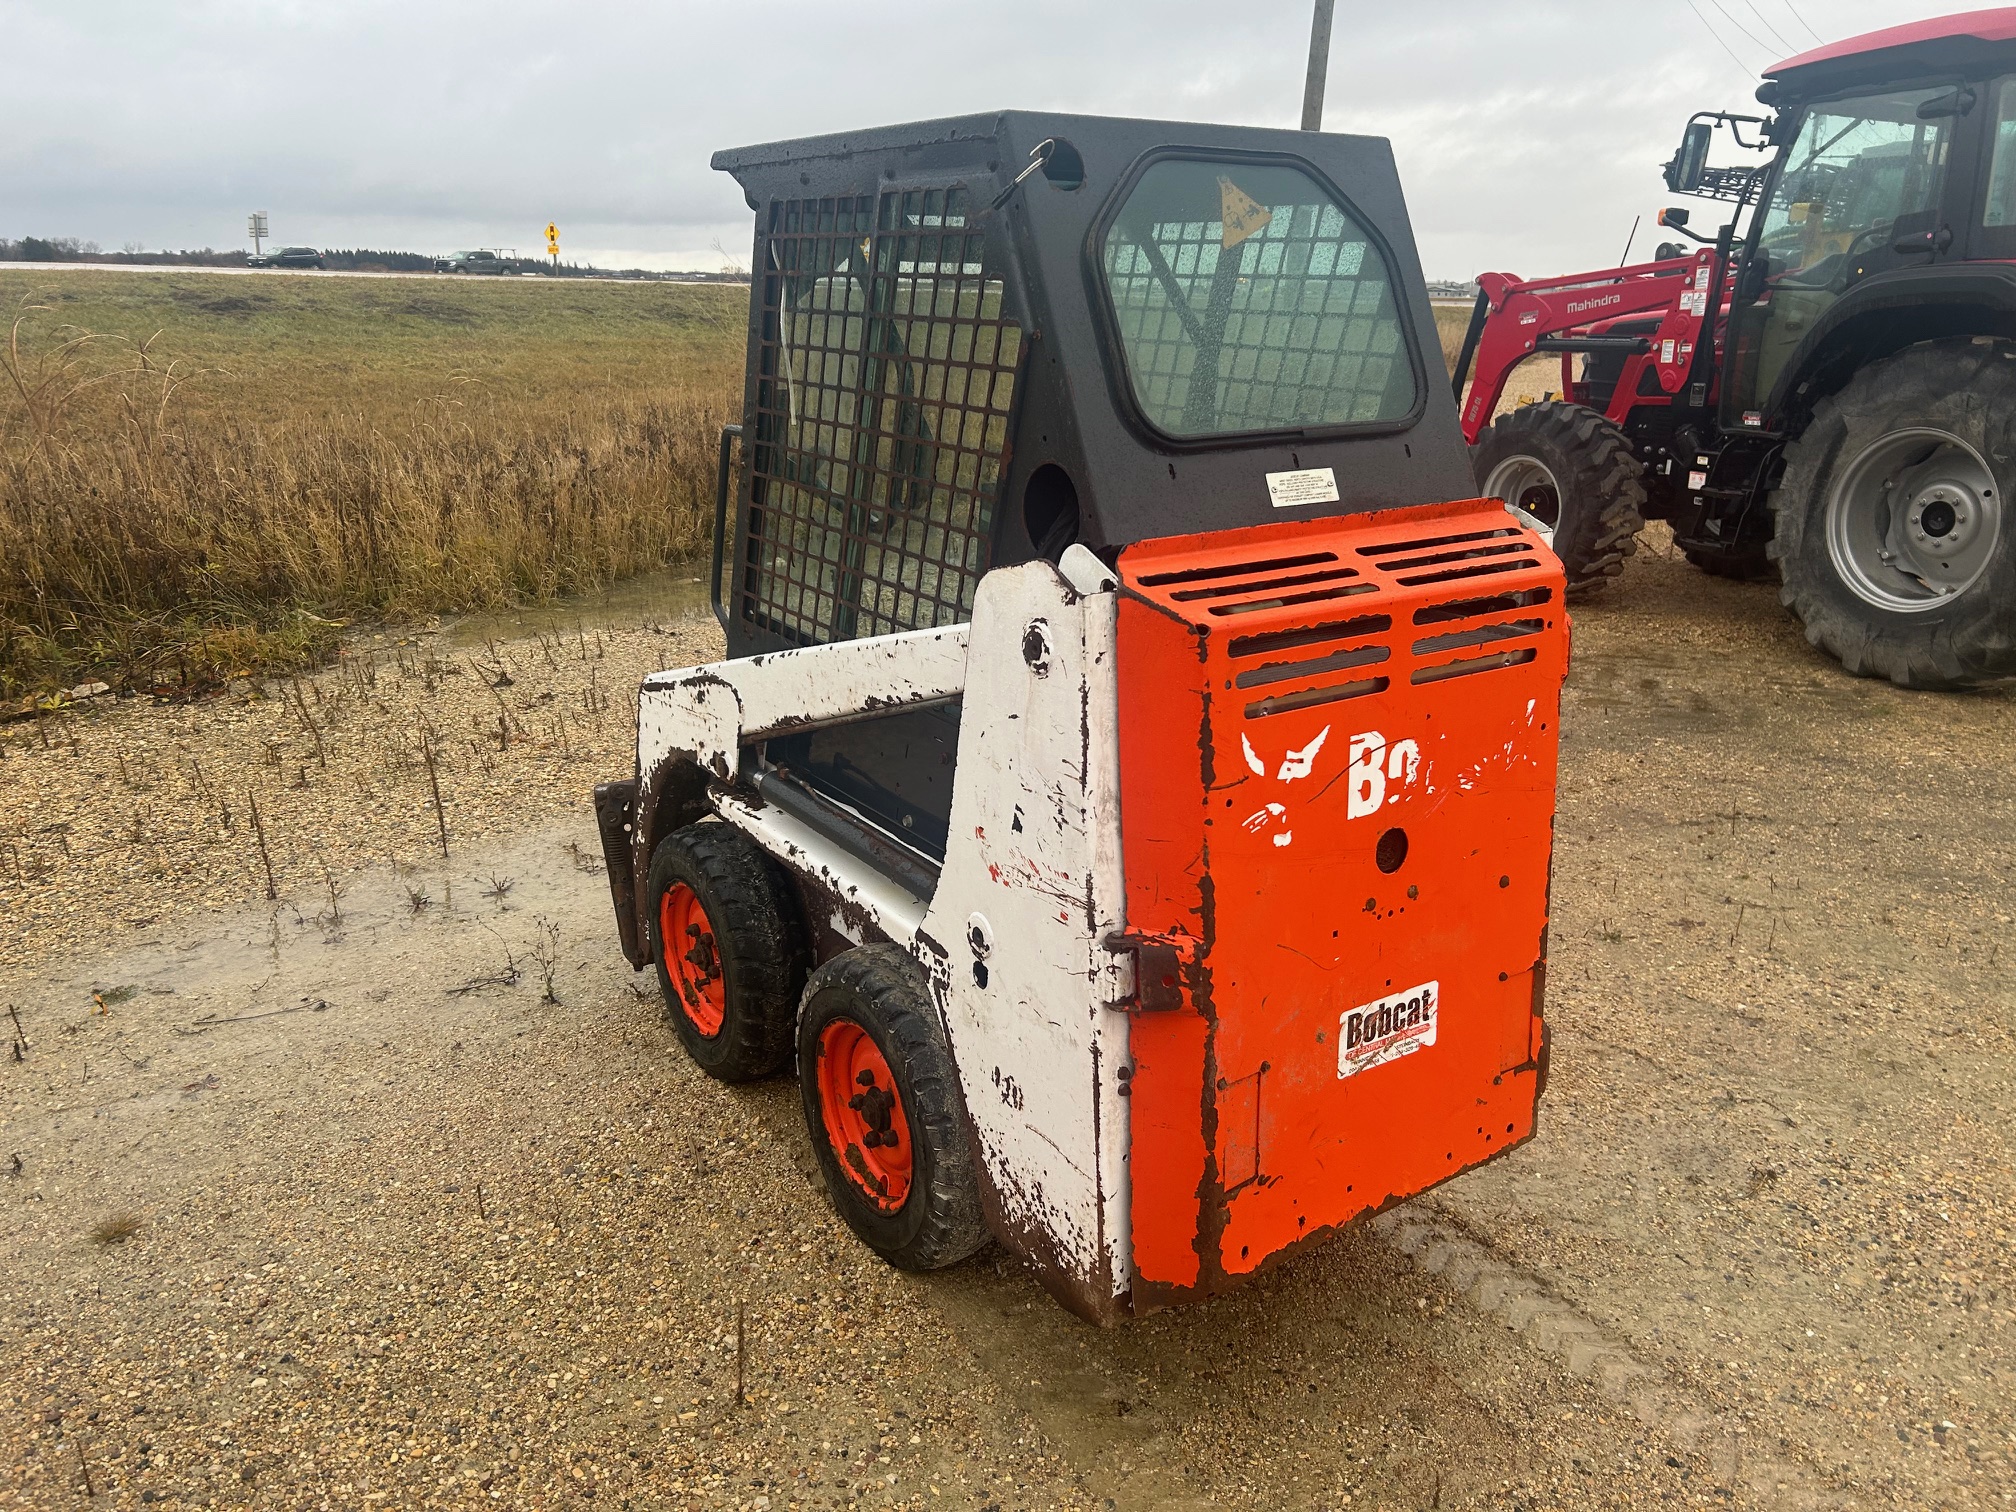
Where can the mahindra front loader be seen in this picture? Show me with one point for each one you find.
(1128, 795)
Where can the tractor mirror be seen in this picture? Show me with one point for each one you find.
(1955, 102)
(1690, 164)
(1676, 218)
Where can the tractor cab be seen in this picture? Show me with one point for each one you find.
(1127, 795)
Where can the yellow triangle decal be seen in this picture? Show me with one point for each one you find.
(1244, 216)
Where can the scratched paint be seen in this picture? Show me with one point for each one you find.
(1305, 840)
(1137, 1156)
(1031, 872)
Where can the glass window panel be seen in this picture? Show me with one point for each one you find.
(877, 363)
(1208, 264)
(1858, 169)
(2000, 209)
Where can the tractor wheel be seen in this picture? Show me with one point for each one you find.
(1573, 472)
(1891, 534)
(882, 1104)
(729, 947)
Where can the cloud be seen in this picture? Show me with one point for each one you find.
(1528, 136)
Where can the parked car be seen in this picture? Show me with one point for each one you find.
(482, 260)
(287, 257)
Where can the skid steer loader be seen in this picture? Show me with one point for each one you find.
(1129, 792)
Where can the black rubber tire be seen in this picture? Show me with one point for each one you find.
(1599, 478)
(1749, 565)
(1969, 389)
(881, 989)
(757, 937)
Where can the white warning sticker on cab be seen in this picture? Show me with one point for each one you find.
(1387, 1029)
(1310, 485)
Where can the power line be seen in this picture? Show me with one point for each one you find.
(1739, 25)
(1765, 22)
(1802, 21)
(1748, 71)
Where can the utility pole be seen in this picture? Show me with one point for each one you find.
(1319, 66)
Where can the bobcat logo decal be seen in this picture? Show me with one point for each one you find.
(1377, 774)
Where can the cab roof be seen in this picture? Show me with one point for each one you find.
(1968, 41)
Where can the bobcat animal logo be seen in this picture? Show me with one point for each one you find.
(1377, 773)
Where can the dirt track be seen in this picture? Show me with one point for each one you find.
(409, 1234)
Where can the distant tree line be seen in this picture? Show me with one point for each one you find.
(74, 249)
(71, 249)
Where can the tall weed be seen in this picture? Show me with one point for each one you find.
(150, 540)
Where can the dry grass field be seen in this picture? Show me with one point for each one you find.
(199, 475)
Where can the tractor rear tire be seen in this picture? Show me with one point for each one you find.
(1575, 473)
(882, 1105)
(730, 950)
(1890, 527)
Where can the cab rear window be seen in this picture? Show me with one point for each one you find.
(2000, 209)
(1248, 299)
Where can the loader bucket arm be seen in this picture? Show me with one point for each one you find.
(1519, 318)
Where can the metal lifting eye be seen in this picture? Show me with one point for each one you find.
(1038, 156)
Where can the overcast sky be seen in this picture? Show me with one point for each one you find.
(1528, 134)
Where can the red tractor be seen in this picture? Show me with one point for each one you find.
(1826, 387)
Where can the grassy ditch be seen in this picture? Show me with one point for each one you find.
(204, 474)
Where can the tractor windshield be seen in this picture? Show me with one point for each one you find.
(1248, 299)
(1863, 173)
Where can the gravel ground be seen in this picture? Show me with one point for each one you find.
(128, 815)
(1779, 1151)
(395, 1191)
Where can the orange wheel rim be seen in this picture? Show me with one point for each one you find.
(691, 960)
(863, 1113)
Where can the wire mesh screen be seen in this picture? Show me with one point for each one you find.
(886, 379)
(1247, 299)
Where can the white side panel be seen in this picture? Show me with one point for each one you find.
(1030, 888)
(710, 712)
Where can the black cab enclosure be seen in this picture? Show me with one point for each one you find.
(1070, 245)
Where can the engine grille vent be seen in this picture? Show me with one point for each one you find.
(1488, 633)
(1449, 558)
(1324, 611)
(1312, 652)
(1272, 583)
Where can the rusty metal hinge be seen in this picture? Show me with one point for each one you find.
(1158, 969)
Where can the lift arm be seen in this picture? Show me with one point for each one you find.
(1518, 319)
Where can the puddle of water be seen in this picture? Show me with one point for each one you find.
(669, 596)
